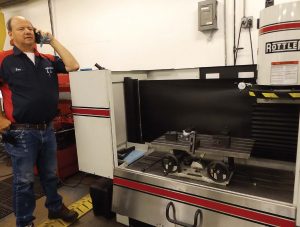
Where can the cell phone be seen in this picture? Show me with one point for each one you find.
(38, 36)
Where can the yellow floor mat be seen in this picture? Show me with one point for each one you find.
(82, 206)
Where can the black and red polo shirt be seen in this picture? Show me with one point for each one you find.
(30, 91)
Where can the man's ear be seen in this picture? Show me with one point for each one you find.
(11, 38)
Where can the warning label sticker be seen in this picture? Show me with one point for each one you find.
(284, 73)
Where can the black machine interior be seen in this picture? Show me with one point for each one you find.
(215, 107)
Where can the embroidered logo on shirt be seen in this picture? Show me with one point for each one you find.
(16, 69)
(49, 70)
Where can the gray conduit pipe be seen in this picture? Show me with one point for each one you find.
(51, 15)
(51, 19)
(244, 8)
(225, 33)
(234, 47)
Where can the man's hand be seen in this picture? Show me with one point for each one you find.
(46, 37)
(4, 124)
(70, 62)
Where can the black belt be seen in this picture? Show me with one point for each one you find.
(17, 126)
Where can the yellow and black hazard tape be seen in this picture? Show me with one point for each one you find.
(275, 94)
(81, 206)
(285, 92)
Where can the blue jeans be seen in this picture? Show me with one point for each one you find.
(32, 147)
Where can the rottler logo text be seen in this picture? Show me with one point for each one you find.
(283, 46)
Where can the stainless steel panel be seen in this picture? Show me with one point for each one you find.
(152, 210)
(211, 192)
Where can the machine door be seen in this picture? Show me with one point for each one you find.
(93, 119)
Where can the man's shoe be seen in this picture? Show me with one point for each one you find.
(64, 213)
(29, 225)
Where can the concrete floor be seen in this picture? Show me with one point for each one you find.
(69, 195)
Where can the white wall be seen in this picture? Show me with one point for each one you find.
(136, 34)
(142, 34)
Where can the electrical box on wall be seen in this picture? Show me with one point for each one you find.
(207, 15)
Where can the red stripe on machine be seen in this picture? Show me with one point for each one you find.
(206, 203)
(91, 112)
(64, 89)
(279, 27)
(285, 63)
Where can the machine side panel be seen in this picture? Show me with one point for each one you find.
(94, 145)
(89, 89)
(92, 107)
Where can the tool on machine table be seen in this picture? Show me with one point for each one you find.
(184, 153)
(124, 152)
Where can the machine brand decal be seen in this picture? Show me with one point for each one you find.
(239, 212)
(282, 46)
(91, 112)
(279, 27)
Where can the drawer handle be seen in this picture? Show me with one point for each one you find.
(198, 213)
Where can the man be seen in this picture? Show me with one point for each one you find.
(29, 86)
